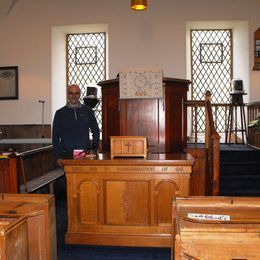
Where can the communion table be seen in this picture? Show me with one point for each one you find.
(124, 201)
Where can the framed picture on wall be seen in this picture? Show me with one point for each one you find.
(9, 82)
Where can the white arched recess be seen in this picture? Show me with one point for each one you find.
(58, 59)
(240, 31)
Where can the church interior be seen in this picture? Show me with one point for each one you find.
(175, 91)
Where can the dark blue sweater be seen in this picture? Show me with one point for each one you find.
(71, 129)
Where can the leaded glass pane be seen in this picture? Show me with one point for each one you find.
(86, 64)
(211, 69)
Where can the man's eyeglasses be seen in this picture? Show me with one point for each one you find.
(74, 93)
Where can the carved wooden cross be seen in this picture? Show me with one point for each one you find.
(128, 146)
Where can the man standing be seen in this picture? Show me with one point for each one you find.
(71, 126)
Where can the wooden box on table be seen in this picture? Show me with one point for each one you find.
(13, 237)
(216, 228)
(39, 210)
(128, 146)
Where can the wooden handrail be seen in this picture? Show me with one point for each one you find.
(34, 163)
(201, 103)
(253, 112)
(212, 143)
(212, 139)
(34, 151)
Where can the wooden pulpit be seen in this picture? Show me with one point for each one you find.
(162, 120)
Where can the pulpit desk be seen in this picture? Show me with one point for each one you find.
(124, 201)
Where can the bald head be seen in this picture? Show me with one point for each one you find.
(73, 95)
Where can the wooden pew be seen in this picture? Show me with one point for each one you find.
(39, 211)
(37, 168)
(216, 228)
(29, 170)
(13, 237)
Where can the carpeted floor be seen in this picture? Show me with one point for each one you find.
(79, 252)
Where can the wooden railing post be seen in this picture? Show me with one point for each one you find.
(207, 125)
(215, 164)
(253, 112)
(212, 142)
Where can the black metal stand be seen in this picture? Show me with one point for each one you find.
(92, 102)
(232, 126)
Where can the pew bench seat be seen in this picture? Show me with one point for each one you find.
(48, 178)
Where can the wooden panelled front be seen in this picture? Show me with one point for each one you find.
(175, 116)
(198, 176)
(124, 202)
(165, 191)
(162, 121)
(144, 117)
(39, 210)
(88, 195)
(8, 176)
(110, 113)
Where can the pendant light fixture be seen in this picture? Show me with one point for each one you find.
(139, 5)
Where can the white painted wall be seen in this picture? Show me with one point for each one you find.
(30, 38)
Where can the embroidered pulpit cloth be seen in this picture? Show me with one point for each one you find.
(140, 83)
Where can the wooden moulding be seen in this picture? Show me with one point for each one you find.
(13, 237)
(39, 211)
(128, 146)
(220, 228)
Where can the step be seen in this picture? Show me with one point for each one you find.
(240, 192)
(239, 183)
(239, 168)
(241, 180)
(239, 171)
(244, 177)
(237, 156)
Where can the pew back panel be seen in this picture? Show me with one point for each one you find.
(13, 237)
(33, 168)
(216, 228)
